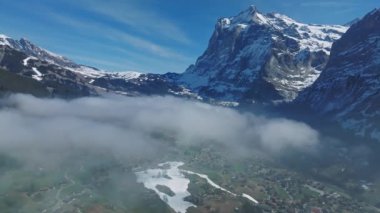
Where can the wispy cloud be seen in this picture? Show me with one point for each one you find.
(142, 20)
(101, 62)
(327, 4)
(126, 126)
(86, 36)
(118, 35)
(140, 43)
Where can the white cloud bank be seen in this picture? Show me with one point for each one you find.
(125, 125)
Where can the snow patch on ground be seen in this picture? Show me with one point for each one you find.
(90, 72)
(209, 181)
(26, 60)
(38, 75)
(228, 103)
(170, 175)
(187, 93)
(213, 184)
(250, 198)
(127, 75)
(178, 183)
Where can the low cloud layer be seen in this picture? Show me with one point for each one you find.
(126, 125)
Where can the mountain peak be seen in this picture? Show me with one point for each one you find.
(247, 17)
(366, 27)
(24, 39)
(3, 36)
(261, 57)
(251, 9)
(4, 40)
(370, 15)
(251, 14)
(374, 15)
(27, 44)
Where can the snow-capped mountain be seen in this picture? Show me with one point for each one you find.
(261, 58)
(30, 49)
(349, 87)
(35, 52)
(64, 77)
(58, 80)
(251, 57)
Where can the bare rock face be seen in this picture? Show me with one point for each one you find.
(259, 57)
(349, 87)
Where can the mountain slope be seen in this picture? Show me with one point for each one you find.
(261, 57)
(349, 88)
(59, 80)
(32, 50)
(65, 78)
(10, 82)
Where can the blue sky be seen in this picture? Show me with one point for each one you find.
(148, 35)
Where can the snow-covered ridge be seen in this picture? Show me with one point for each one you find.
(4, 40)
(310, 36)
(91, 73)
(34, 52)
(88, 72)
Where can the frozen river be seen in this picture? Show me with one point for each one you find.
(170, 175)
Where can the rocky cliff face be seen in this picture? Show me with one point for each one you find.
(349, 87)
(261, 58)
